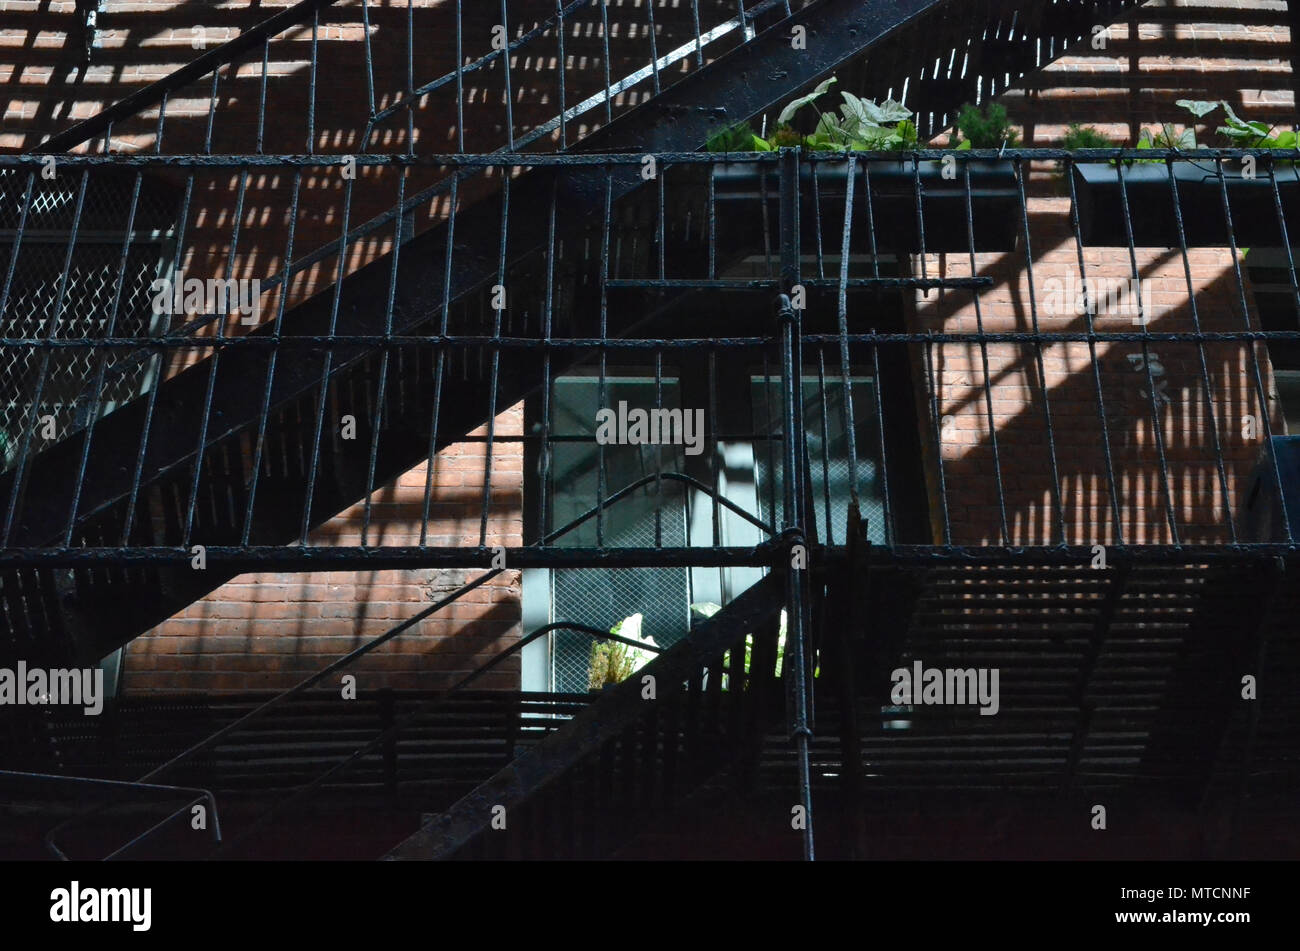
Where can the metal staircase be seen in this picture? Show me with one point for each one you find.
(694, 712)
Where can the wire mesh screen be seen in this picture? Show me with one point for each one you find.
(72, 281)
(660, 595)
(654, 515)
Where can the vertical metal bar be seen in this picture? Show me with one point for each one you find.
(1092, 358)
(1245, 317)
(370, 67)
(604, 38)
(935, 428)
(261, 96)
(817, 218)
(328, 365)
(495, 374)
(654, 45)
(311, 101)
(559, 38)
(715, 460)
(441, 364)
(460, 79)
(601, 487)
(842, 322)
(825, 441)
(1157, 429)
(659, 451)
(410, 75)
(1038, 342)
(259, 444)
(212, 111)
(381, 389)
(1200, 351)
(918, 191)
(746, 27)
(548, 315)
(713, 223)
(699, 40)
(662, 224)
(505, 61)
(890, 524)
(795, 448)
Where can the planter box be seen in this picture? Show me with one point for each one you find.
(995, 206)
(1200, 199)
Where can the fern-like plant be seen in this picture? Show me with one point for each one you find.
(987, 128)
(1085, 137)
(612, 662)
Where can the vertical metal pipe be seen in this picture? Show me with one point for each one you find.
(793, 484)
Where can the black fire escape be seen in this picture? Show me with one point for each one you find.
(609, 248)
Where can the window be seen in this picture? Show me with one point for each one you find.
(654, 514)
(746, 452)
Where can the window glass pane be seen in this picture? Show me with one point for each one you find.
(603, 597)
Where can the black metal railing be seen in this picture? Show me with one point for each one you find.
(626, 288)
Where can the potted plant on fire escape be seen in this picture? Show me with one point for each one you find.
(1144, 188)
(862, 125)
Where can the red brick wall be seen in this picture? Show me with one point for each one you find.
(1132, 84)
(270, 630)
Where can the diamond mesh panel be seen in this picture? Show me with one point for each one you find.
(592, 596)
(600, 597)
(33, 310)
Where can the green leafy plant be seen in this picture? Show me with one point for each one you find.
(1085, 137)
(609, 664)
(1166, 137)
(1237, 131)
(1082, 137)
(737, 138)
(987, 128)
(861, 125)
(612, 662)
